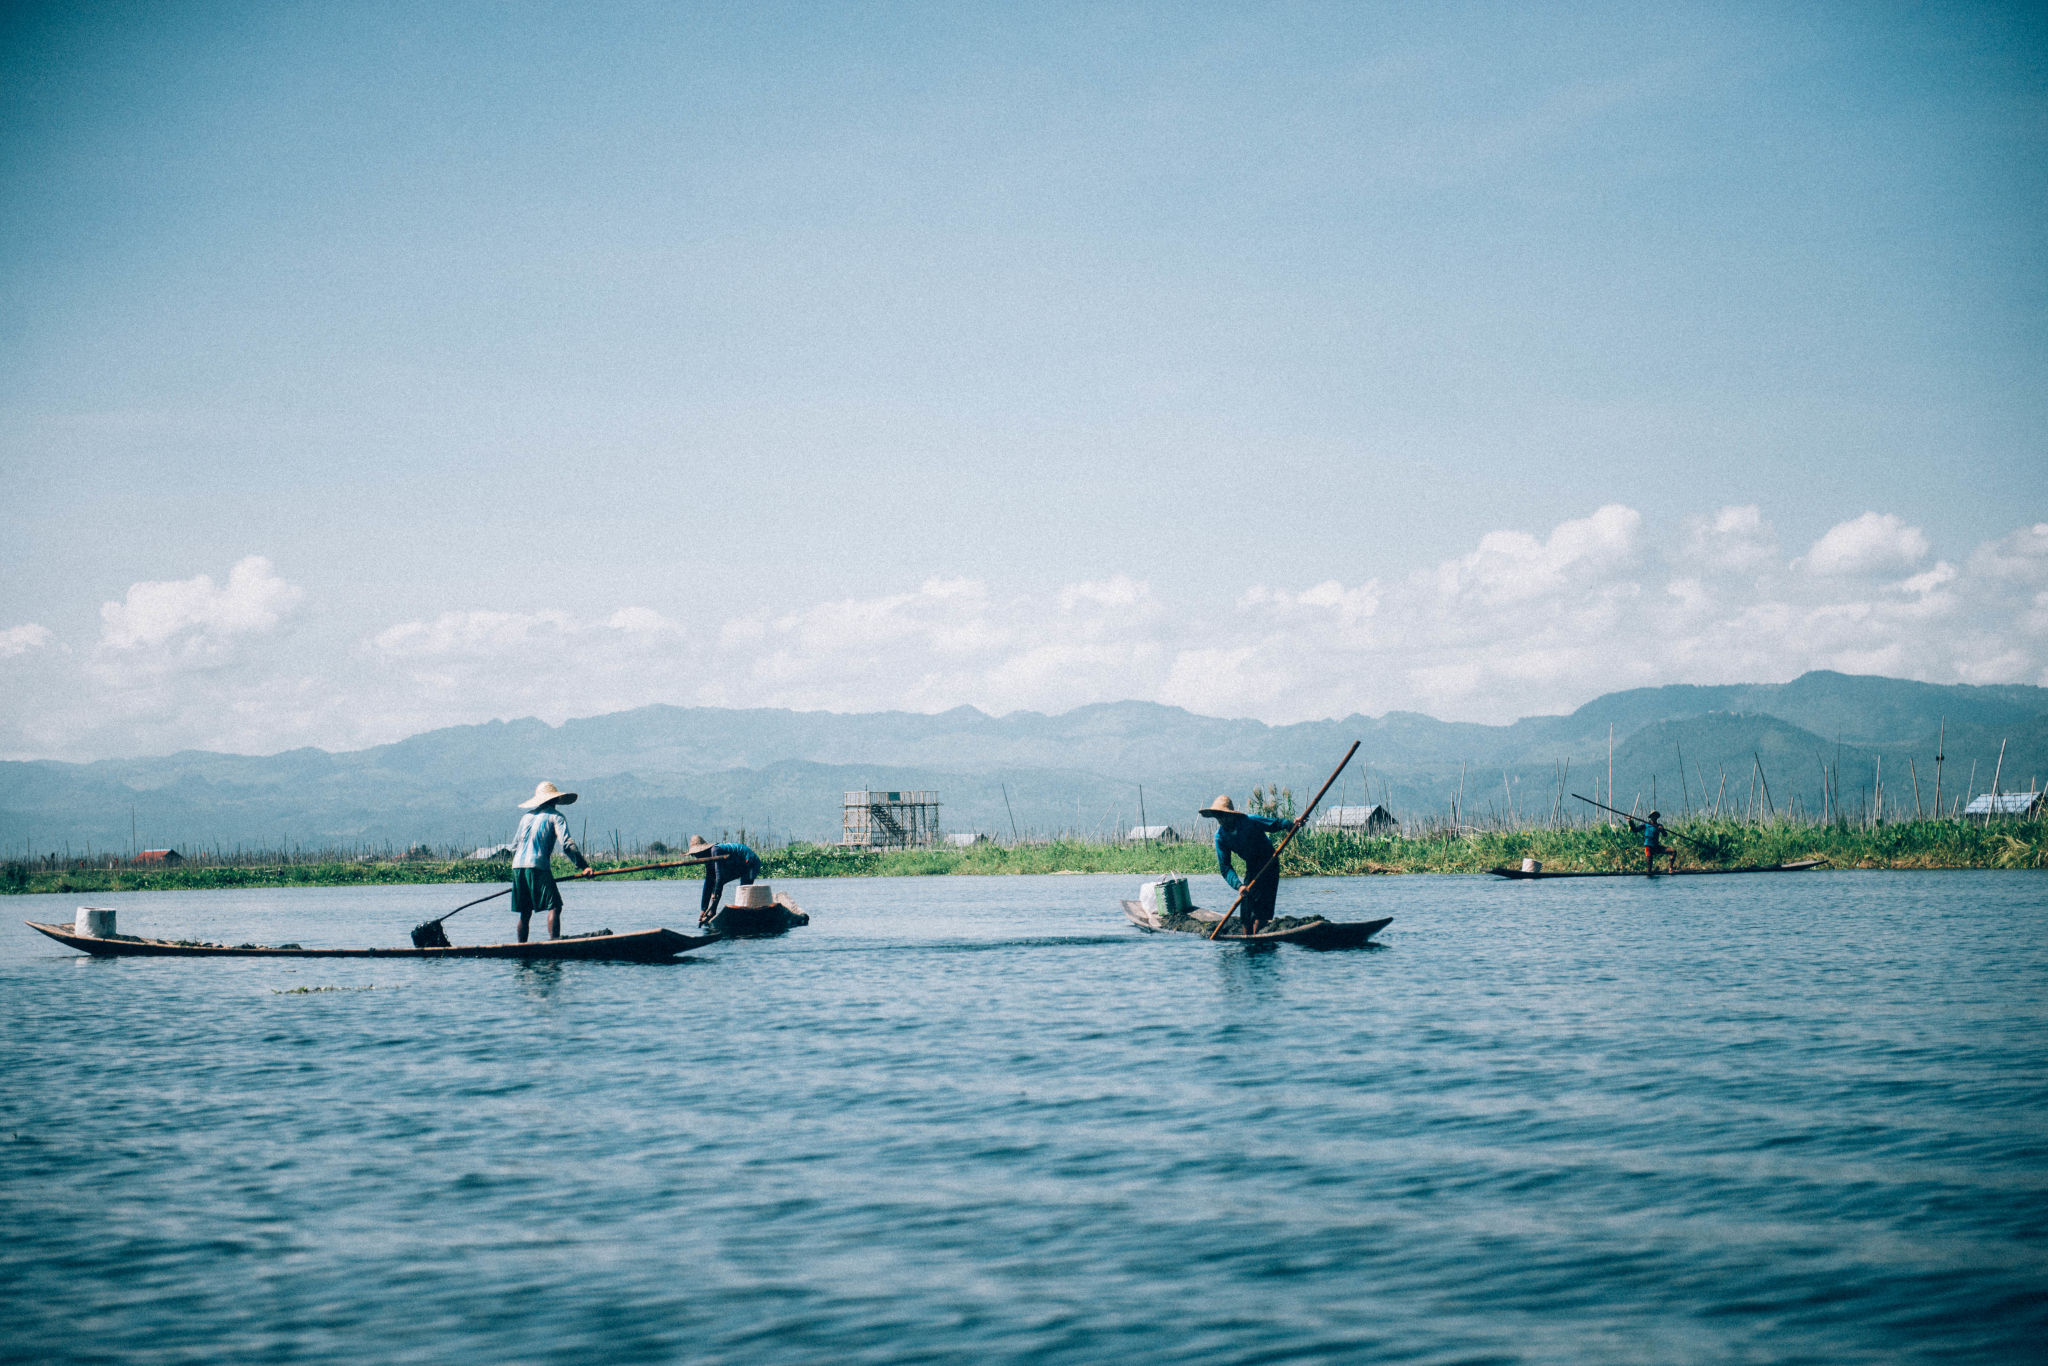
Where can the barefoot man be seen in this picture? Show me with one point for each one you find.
(723, 863)
(1652, 831)
(1243, 834)
(541, 830)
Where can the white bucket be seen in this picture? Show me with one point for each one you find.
(1530, 865)
(757, 897)
(96, 921)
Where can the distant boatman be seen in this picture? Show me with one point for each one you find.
(726, 863)
(541, 830)
(1653, 844)
(1244, 834)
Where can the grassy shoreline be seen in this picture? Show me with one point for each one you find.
(1713, 844)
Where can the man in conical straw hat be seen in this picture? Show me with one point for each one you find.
(1244, 834)
(541, 830)
(724, 863)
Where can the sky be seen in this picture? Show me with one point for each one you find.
(371, 368)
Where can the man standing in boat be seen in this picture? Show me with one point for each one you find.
(541, 830)
(724, 863)
(1652, 832)
(1244, 834)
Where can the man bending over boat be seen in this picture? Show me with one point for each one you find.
(1653, 844)
(725, 863)
(541, 830)
(1244, 834)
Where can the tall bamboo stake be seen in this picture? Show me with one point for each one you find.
(1940, 743)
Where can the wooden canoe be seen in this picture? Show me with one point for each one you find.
(642, 946)
(1311, 932)
(752, 922)
(1805, 865)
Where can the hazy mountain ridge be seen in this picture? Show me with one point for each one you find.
(659, 771)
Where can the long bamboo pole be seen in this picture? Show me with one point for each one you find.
(1273, 863)
(589, 873)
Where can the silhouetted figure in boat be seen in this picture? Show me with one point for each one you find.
(728, 863)
(541, 831)
(1244, 834)
(1653, 843)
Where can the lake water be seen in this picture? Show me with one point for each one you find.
(1785, 1119)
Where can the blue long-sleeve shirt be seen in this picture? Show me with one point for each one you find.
(539, 834)
(734, 861)
(1246, 838)
(1651, 831)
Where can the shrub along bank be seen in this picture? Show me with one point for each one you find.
(1701, 844)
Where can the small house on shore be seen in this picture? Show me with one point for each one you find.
(2020, 806)
(160, 858)
(1358, 820)
(1153, 834)
(964, 839)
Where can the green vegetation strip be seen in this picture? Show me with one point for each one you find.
(1713, 844)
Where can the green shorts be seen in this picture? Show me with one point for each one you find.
(534, 891)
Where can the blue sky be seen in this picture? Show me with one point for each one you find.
(891, 355)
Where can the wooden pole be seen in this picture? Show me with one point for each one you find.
(1940, 743)
(1273, 863)
(1995, 774)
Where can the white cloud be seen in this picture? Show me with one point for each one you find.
(1520, 624)
(19, 640)
(1870, 544)
(470, 634)
(195, 614)
(1513, 566)
(642, 621)
(1735, 539)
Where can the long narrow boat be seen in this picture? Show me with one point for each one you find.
(1805, 865)
(1311, 932)
(642, 946)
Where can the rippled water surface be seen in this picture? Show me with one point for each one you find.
(983, 1120)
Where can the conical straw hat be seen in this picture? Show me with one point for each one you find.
(1221, 807)
(545, 793)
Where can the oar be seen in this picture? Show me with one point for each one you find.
(431, 931)
(1638, 821)
(1274, 862)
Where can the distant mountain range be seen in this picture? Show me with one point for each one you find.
(663, 772)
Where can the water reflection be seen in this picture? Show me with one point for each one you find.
(1251, 972)
(539, 979)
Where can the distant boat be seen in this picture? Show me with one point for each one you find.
(642, 946)
(1805, 865)
(1312, 932)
